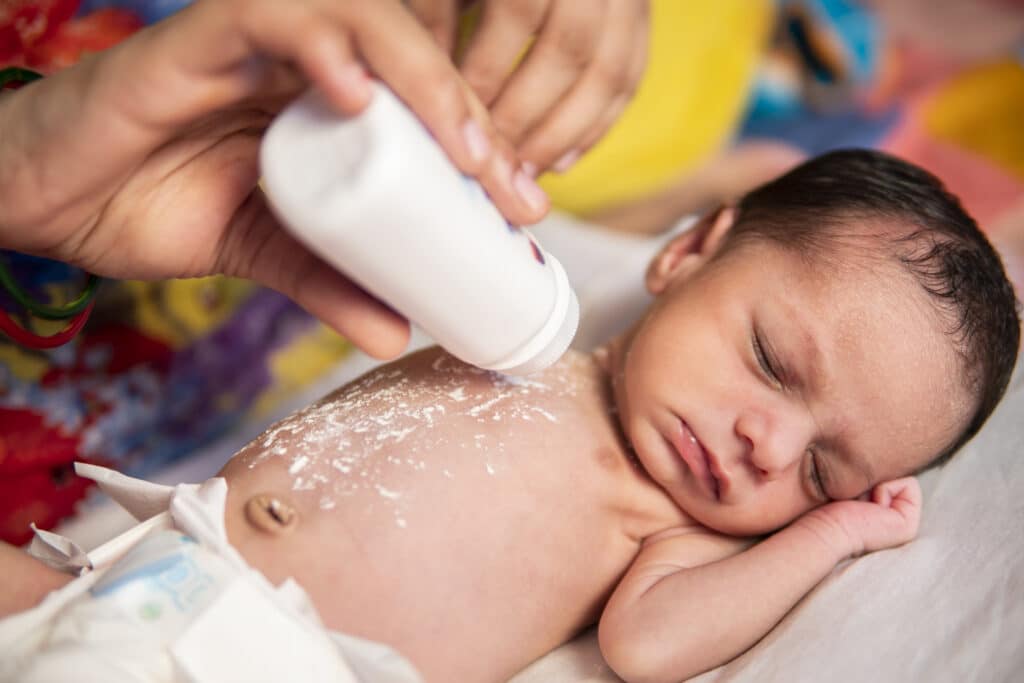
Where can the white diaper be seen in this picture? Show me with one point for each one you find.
(171, 600)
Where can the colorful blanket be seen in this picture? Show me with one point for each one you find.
(837, 76)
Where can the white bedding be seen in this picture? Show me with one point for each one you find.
(947, 607)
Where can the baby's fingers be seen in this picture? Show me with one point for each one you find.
(900, 503)
(902, 495)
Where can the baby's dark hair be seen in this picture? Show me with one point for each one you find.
(828, 200)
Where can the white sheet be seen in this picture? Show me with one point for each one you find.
(947, 607)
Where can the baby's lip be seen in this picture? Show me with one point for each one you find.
(701, 463)
(718, 472)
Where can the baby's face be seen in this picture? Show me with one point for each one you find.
(760, 386)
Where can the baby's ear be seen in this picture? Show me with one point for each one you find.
(686, 252)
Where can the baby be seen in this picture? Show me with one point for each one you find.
(808, 351)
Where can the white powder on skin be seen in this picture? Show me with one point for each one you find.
(333, 443)
(298, 464)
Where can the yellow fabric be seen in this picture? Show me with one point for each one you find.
(702, 58)
(177, 312)
(982, 110)
(297, 365)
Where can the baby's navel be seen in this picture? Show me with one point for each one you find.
(271, 514)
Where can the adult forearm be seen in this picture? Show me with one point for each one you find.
(694, 619)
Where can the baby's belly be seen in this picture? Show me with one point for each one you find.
(448, 565)
(470, 544)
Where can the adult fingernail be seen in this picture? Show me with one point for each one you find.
(529, 191)
(566, 161)
(476, 142)
(530, 169)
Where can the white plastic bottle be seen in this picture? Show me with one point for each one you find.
(376, 197)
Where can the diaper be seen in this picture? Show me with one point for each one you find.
(172, 600)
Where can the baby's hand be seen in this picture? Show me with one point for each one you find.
(887, 517)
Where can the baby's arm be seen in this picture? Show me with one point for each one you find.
(26, 580)
(681, 609)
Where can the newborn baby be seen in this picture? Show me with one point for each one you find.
(684, 486)
(844, 327)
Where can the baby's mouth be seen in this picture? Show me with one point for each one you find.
(696, 458)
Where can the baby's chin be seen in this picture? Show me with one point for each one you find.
(722, 522)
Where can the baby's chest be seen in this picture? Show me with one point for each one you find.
(467, 480)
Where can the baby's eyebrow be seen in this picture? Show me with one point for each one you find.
(804, 360)
(814, 367)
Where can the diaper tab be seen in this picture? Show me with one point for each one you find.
(142, 499)
(172, 599)
(58, 552)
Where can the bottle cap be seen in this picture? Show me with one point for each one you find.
(553, 339)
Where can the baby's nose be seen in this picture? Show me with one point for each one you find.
(773, 446)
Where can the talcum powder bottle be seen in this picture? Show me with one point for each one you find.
(376, 196)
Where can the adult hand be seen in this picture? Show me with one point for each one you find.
(142, 161)
(575, 79)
